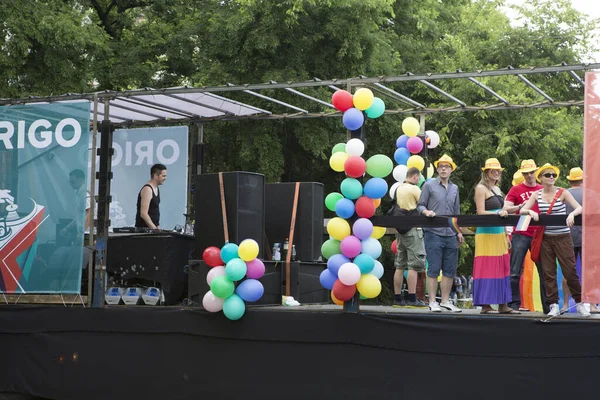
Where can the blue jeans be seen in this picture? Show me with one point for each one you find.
(520, 247)
(442, 254)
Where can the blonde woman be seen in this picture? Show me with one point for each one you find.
(557, 242)
(491, 268)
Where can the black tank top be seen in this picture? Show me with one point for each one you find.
(153, 208)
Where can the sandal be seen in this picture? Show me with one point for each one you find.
(489, 312)
(511, 311)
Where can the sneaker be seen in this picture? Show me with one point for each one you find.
(401, 303)
(435, 307)
(450, 307)
(415, 304)
(582, 310)
(554, 310)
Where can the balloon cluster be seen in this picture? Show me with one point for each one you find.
(353, 107)
(231, 264)
(408, 147)
(353, 247)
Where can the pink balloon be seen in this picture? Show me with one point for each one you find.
(414, 144)
(255, 269)
(214, 272)
(349, 274)
(212, 303)
(351, 246)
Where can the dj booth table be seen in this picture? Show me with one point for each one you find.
(153, 257)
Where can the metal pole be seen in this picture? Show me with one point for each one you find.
(92, 201)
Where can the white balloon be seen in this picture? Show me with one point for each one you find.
(212, 303)
(349, 274)
(434, 139)
(355, 147)
(377, 270)
(393, 189)
(430, 171)
(399, 173)
(214, 272)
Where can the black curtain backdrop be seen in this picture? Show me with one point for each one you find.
(170, 353)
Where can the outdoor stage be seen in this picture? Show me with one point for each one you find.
(294, 353)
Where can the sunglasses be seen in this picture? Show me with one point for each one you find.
(549, 175)
(527, 173)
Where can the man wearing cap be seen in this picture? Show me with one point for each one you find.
(440, 197)
(521, 240)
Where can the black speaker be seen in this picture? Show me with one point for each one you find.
(308, 232)
(245, 205)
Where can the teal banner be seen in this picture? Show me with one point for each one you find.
(43, 197)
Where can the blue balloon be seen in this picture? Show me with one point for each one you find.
(375, 188)
(250, 290)
(229, 252)
(401, 156)
(344, 208)
(327, 279)
(365, 262)
(401, 141)
(377, 270)
(335, 262)
(234, 307)
(353, 119)
(372, 247)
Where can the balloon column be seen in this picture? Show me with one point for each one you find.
(408, 147)
(230, 264)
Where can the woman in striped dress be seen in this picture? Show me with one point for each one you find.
(491, 268)
(557, 242)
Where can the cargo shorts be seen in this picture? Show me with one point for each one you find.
(410, 252)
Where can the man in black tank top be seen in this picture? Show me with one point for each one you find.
(148, 201)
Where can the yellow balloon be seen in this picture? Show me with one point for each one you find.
(335, 300)
(337, 160)
(363, 98)
(248, 250)
(410, 126)
(430, 171)
(416, 161)
(369, 286)
(338, 228)
(378, 232)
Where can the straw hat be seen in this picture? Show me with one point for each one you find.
(517, 178)
(528, 166)
(545, 167)
(445, 159)
(575, 174)
(492, 163)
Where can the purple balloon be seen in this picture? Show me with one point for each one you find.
(250, 290)
(335, 262)
(353, 119)
(351, 246)
(362, 228)
(255, 269)
(327, 279)
(401, 141)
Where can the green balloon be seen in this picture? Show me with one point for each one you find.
(377, 108)
(236, 269)
(222, 287)
(332, 199)
(234, 307)
(351, 188)
(330, 248)
(340, 147)
(379, 166)
(421, 181)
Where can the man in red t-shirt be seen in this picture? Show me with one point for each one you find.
(521, 240)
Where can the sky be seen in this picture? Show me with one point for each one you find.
(590, 7)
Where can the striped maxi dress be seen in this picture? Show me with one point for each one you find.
(491, 268)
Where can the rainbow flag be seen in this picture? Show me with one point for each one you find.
(453, 223)
(523, 223)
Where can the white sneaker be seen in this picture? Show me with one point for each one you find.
(435, 307)
(582, 310)
(450, 307)
(554, 310)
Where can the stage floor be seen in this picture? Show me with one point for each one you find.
(310, 351)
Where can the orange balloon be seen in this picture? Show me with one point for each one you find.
(377, 202)
(336, 301)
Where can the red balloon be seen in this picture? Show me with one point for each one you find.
(342, 100)
(355, 166)
(364, 207)
(212, 256)
(394, 247)
(343, 292)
